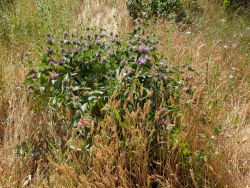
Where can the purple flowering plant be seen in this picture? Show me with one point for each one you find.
(82, 72)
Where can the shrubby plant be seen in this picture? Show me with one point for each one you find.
(121, 94)
(81, 73)
(158, 8)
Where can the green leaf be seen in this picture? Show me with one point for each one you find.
(84, 107)
(90, 98)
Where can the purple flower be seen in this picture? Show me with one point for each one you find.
(103, 59)
(148, 58)
(59, 62)
(142, 60)
(50, 51)
(189, 77)
(143, 48)
(75, 51)
(65, 34)
(34, 76)
(34, 70)
(80, 124)
(126, 71)
(111, 52)
(54, 75)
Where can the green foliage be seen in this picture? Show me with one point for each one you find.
(158, 8)
(235, 3)
(226, 3)
(82, 73)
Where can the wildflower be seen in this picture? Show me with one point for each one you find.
(54, 75)
(75, 51)
(86, 121)
(111, 52)
(65, 34)
(142, 60)
(126, 71)
(59, 62)
(50, 51)
(80, 124)
(143, 48)
(148, 58)
(189, 77)
(34, 76)
(34, 70)
(103, 59)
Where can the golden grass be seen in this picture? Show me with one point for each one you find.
(221, 100)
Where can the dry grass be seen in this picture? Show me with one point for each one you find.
(221, 101)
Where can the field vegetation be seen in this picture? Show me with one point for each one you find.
(112, 93)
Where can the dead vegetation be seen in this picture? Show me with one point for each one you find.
(217, 121)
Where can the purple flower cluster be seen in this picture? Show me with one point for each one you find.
(103, 59)
(143, 60)
(50, 51)
(189, 77)
(34, 70)
(126, 71)
(59, 62)
(54, 75)
(75, 51)
(143, 48)
(65, 34)
(34, 76)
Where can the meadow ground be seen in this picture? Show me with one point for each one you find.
(216, 47)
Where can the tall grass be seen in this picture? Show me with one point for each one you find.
(215, 52)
